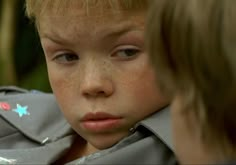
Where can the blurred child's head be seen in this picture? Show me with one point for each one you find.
(192, 45)
(97, 64)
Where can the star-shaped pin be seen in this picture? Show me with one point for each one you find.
(21, 110)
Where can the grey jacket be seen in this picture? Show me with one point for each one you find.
(33, 131)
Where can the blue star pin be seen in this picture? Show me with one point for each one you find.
(21, 110)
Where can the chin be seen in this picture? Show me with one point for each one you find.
(107, 141)
(104, 144)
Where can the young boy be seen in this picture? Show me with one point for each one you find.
(192, 45)
(102, 80)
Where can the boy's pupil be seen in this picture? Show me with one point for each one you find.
(130, 52)
(71, 57)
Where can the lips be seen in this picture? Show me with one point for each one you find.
(100, 122)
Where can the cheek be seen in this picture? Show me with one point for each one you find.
(144, 89)
(140, 80)
(62, 80)
(149, 90)
(62, 87)
(57, 81)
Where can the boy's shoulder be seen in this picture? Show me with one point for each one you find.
(33, 113)
(30, 120)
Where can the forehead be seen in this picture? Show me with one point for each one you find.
(78, 19)
(69, 7)
(35, 8)
(87, 9)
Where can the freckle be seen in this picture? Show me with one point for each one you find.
(105, 66)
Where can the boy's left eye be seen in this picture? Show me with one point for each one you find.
(126, 53)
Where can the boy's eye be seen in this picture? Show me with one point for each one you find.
(127, 53)
(66, 58)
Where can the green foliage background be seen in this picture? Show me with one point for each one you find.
(28, 58)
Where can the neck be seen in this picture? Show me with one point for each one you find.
(79, 148)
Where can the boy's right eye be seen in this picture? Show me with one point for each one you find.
(65, 58)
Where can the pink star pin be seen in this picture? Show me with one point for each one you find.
(5, 106)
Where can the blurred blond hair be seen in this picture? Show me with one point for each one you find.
(192, 45)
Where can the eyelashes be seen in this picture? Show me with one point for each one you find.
(66, 58)
(120, 53)
(126, 52)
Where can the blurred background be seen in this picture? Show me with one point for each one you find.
(21, 57)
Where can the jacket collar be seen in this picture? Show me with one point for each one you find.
(160, 125)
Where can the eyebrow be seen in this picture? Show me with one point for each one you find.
(118, 30)
(108, 33)
(58, 40)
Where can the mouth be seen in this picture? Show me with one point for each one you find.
(100, 122)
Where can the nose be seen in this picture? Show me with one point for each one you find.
(96, 83)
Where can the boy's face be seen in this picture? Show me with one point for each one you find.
(99, 71)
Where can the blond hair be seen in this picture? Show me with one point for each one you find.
(192, 44)
(34, 8)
